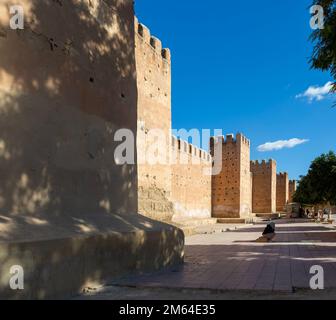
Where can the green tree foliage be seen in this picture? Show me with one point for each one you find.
(324, 54)
(319, 185)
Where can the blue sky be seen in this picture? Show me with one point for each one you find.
(240, 66)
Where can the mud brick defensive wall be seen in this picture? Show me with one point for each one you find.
(191, 181)
(69, 212)
(242, 188)
(291, 190)
(282, 195)
(263, 186)
(231, 188)
(154, 113)
(176, 188)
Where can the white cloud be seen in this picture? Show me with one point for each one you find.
(316, 93)
(281, 144)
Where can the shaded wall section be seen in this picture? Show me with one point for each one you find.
(67, 83)
(60, 268)
(68, 212)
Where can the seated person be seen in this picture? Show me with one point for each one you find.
(269, 232)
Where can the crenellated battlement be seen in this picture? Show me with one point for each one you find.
(292, 185)
(144, 33)
(257, 165)
(230, 138)
(240, 137)
(185, 147)
(282, 175)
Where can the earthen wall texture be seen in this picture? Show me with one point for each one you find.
(68, 209)
(231, 188)
(245, 177)
(292, 190)
(191, 181)
(154, 125)
(263, 186)
(282, 194)
(67, 84)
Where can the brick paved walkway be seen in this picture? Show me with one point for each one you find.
(231, 260)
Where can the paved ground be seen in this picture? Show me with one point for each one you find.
(231, 265)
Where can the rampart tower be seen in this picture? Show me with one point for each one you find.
(282, 191)
(292, 190)
(231, 188)
(154, 113)
(264, 186)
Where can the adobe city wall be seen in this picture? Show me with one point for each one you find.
(291, 190)
(60, 106)
(90, 69)
(264, 186)
(154, 113)
(241, 187)
(168, 190)
(68, 82)
(191, 181)
(231, 188)
(282, 195)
